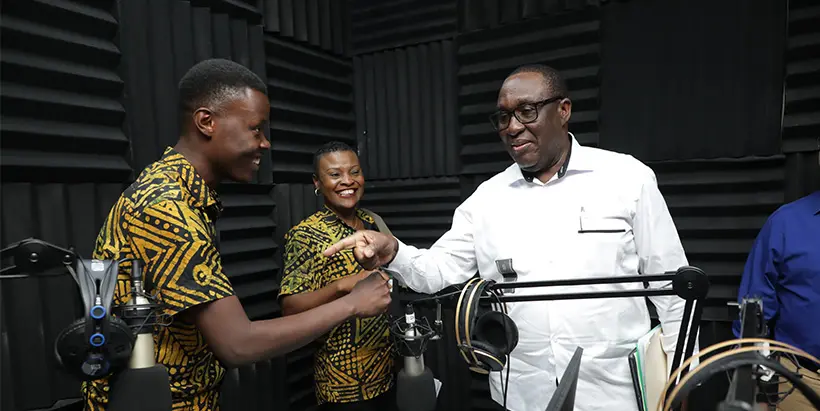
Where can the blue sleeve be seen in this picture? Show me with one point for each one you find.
(760, 275)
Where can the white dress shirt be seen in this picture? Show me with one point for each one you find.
(537, 226)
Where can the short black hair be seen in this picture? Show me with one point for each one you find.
(331, 147)
(213, 82)
(553, 80)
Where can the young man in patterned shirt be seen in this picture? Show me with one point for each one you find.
(166, 220)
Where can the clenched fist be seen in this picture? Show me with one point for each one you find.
(371, 295)
(370, 248)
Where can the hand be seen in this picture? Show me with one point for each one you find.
(371, 295)
(370, 248)
(346, 284)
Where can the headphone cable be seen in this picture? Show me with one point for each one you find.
(437, 297)
(506, 384)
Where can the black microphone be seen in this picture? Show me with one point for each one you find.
(144, 385)
(415, 387)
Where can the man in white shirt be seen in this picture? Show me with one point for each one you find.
(561, 211)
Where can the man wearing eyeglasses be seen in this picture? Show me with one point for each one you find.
(561, 211)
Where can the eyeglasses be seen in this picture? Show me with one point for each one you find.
(525, 113)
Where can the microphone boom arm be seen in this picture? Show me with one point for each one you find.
(689, 283)
(35, 257)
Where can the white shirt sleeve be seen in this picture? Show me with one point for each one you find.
(660, 251)
(451, 260)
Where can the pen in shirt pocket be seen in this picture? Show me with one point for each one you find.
(595, 228)
(581, 220)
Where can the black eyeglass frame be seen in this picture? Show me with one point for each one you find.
(536, 105)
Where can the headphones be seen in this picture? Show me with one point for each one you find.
(98, 344)
(484, 337)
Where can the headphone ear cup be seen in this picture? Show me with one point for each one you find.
(73, 350)
(498, 330)
(489, 356)
(120, 343)
(512, 332)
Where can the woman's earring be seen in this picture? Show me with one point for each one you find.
(316, 192)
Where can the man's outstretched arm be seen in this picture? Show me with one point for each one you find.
(451, 260)
(237, 341)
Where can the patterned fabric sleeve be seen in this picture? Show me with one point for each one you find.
(300, 259)
(179, 255)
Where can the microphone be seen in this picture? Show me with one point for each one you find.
(144, 385)
(415, 388)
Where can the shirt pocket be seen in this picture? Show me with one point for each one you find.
(599, 242)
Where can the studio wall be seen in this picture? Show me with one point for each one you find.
(703, 85)
(406, 111)
(65, 158)
(322, 24)
(384, 25)
(89, 98)
(801, 119)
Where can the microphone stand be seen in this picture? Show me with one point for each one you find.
(689, 283)
(415, 386)
(743, 389)
(143, 374)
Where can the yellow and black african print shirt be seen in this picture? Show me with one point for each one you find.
(166, 220)
(355, 360)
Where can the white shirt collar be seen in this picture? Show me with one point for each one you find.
(578, 160)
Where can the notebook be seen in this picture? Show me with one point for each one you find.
(647, 362)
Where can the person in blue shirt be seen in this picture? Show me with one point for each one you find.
(783, 270)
